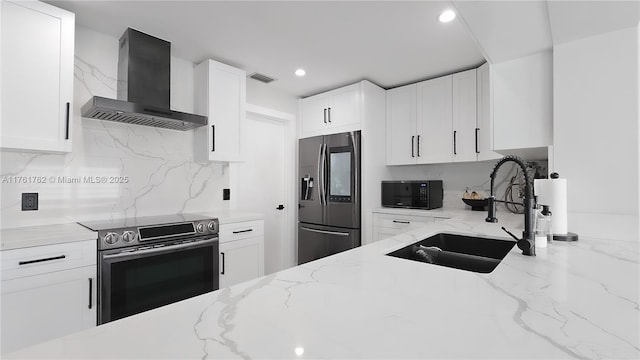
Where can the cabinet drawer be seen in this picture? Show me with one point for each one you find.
(405, 222)
(241, 230)
(45, 259)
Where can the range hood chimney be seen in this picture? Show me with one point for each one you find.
(144, 78)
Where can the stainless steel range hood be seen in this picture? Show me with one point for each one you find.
(144, 77)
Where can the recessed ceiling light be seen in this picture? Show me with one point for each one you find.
(300, 72)
(447, 16)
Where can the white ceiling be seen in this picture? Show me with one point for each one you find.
(571, 22)
(389, 43)
(507, 30)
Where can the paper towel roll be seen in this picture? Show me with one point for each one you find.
(553, 192)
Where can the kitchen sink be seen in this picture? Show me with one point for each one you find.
(463, 252)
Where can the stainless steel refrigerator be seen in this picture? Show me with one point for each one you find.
(329, 195)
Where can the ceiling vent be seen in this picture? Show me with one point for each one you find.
(260, 77)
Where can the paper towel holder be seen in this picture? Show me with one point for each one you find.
(569, 236)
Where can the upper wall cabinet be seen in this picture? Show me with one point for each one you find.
(465, 124)
(475, 115)
(332, 112)
(434, 140)
(522, 94)
(401, 127)
(220, 94)
(37, 77)
(419, 123)
(484, 130)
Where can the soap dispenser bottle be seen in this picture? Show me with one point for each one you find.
(543, 226)
(547, 214)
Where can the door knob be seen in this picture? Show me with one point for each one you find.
(280, 207)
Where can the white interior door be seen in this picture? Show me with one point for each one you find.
(260, 182)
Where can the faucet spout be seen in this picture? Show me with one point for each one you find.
(527, 243)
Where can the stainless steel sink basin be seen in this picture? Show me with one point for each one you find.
(458, 251)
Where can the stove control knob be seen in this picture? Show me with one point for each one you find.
(212, 226)
(129, 236)
(111, 238)
(200, 227)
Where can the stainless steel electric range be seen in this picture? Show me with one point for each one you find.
(148, 262)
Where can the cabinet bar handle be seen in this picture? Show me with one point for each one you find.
(41, 260)
(213, 138)
(325, 116)
(90, 297)
(477, 129)
(222, 272)
(329, 115)
(66, 137)
(455, 152)
(412, 138)
(402, 222)
(418, 146)
(242, 231)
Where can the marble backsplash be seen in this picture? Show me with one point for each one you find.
(459, 177)
(115, 170)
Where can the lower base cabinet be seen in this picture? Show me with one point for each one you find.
(386, 225)
(46, 305)
(241, 252)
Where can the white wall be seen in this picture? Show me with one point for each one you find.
(268, 96)
(162, 176)
(596, 118)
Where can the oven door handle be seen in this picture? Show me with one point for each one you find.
(163, 249)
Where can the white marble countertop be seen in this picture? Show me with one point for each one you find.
(573, 300)
(233, 216)
(16, 238)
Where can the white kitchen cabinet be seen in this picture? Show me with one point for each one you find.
(220, 94)
(434, 143)
(419, 123)
(241, 252)
(47, 292)
(484, 136)
(332, 112)
(37, 76)
(386, 225)
(464, 116)
(447, 119)
(401, 125)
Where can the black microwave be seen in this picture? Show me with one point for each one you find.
(412, 194)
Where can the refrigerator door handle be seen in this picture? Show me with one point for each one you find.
(324, 231)
(325, 176)
(356, 166)
(320, 173)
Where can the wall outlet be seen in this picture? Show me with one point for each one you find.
(226, 194)
(29, 201)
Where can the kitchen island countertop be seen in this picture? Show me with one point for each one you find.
(573, 300)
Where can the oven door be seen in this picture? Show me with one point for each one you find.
(136, 281)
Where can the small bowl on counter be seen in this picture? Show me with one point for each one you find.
(477, 204)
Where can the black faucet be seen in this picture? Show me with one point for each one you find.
(527, 243)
